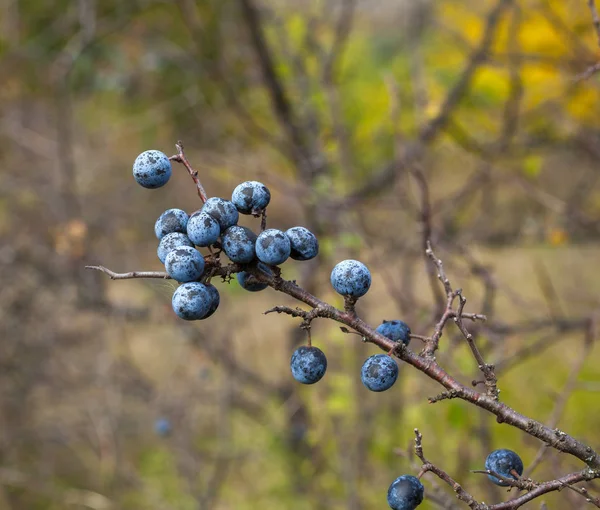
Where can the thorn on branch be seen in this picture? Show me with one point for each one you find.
(445, 395)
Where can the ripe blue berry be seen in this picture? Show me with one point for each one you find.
(308, 364)
(351, 278)
(238, 244)
(162, 427)
(203, 229)
(396, 331)
(379, 372)
(506, 463)
(170, 242)
(152, 169)
(273, 247)
(184, 264)
(248, 282)
(192, 301)
(172, 220)
(215, 299)
(304, 244)
(223, 211)
(405, 493)
(251, 197)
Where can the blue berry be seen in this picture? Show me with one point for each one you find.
(505, 463)
(248, 282)
(203, 229)
(405, 493)
(223, 211)
(304, 244)
(308, 364)
(238, 244)
(351, 278)
(184, 264)
(251, 197)
(162, 427)
(215, 299)
(152, 169)
(273, 247)
(396, 331)
(172, 220)
(192, 301)
(170, 242)
(379, 372)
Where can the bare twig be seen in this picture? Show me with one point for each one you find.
(180, 158)
(132, 274)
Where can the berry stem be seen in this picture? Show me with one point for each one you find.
(181, 158)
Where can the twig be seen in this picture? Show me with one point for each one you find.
(595, 18)
(132, 274)
(180, 158)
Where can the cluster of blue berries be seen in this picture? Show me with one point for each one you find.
(215, 226)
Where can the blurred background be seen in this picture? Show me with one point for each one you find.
(377, 124)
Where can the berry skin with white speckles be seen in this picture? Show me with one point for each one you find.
(396, 331)
(203, 229)
(379, 372)
(505, 463)
(273, 247)
(251, 197)
(152, 169)
(308, 364)
(223, 211)
(170, 242)
(172, 220)
(192, 301)
(184, 264)
(351, 278)
(238, 244)
(304, 244)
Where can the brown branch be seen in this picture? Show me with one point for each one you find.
(132, 274)
(595, 18)
(180, 158)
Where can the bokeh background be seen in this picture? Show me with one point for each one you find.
(375, 123)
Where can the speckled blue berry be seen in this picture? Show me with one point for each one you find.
(238, 244)
(396, 331)
(223, 211)
(192, 301)
(505, 463)
(172, 220)
(215, 299)
(251, 197)
(405, 493)
(184, 264)
(273, 247)
(303, 243)
(152, 169)
(379, 372)
(162, 427)
(248, 282)
(308, 364)
(351, 278)
(203, 229)
(170, 242)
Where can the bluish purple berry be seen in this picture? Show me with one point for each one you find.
(506, 463)
(304, 244)
(184, 264)
(192, 301)
(351, 278)
(162, 427)
(215, 299)
(396, 331)
(251, 197)
(203, 229)
(379, 372)
(172, 220)
(308, 364)
(405, 493)
(170, 242)
(251, 284)
(273, 247)
(152, 169)
(223, 211)
(238, 244)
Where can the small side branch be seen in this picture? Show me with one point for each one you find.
(132, 274)
(180, 158)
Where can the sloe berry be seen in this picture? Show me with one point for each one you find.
(308, 364)
(273, 247)
(170, 242)
(304, 244)
(215, 299)
(396, 331)
(251, 197)
(351, 278)
(184, 264)
(505, 463)
(172, 220)
(405, 493)
(192, 301)
(379, 372)
(238, 244)
(203, 229)
(248, 282)
(152, 169)
(223, 211)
